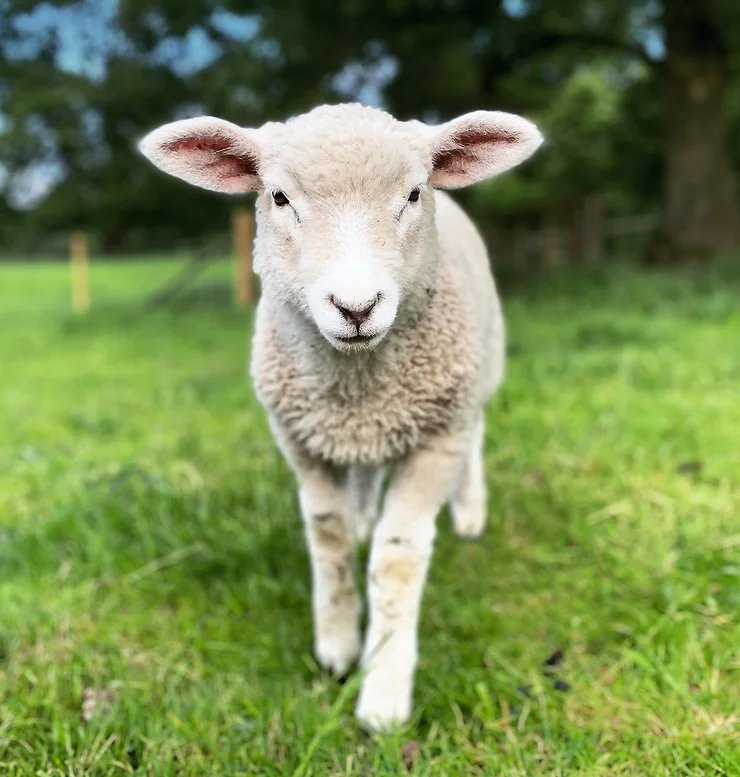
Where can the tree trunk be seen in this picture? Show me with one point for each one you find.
(574, 231)
(700, 186)
(592, 228)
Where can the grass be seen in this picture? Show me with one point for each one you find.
(151, 557)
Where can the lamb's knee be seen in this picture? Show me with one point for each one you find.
(397, 573)
(328, 531)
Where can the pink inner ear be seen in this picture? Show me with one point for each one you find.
(218, 146)
(467, 147)
(215, 143)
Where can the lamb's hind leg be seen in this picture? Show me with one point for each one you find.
(469, 504)
(364, 485)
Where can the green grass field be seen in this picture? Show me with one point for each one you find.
(151, 555)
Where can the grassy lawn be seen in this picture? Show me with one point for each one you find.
(153, 575)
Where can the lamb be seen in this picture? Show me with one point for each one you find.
(379, 340)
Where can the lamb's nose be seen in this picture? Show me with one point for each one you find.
(355, 314)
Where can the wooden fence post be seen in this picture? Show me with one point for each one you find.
(243, 237)
(80, 276)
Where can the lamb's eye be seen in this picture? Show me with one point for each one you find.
(414, 194)
(279, 198)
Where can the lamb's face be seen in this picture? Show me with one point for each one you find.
(346, 221)
(345, 213)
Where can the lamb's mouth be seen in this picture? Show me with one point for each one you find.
(356, 339)
(356, 342)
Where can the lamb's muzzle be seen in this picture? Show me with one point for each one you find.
(355, 314)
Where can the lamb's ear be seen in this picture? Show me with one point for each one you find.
(479, 145)
(208, 152)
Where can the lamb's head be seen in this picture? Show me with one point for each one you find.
(345, 211)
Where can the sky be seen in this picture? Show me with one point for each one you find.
(81, 31)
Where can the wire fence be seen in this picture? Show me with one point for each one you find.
(545, 243)
(220, 265)
(164, 276)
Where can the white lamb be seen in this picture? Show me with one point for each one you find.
(379, 340)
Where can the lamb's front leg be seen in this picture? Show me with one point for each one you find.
(399, 559)
(336, 603)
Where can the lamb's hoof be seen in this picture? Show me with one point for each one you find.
(383, 706)
(469, 520)
(469, 535)
(337, 649)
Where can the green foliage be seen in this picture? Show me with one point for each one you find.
(151, 548)
(578, 125)
(579, 156)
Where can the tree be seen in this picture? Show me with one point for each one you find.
(701, 200)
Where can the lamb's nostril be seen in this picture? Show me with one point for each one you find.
(355, 315)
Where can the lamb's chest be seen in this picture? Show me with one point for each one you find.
(364, 415)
